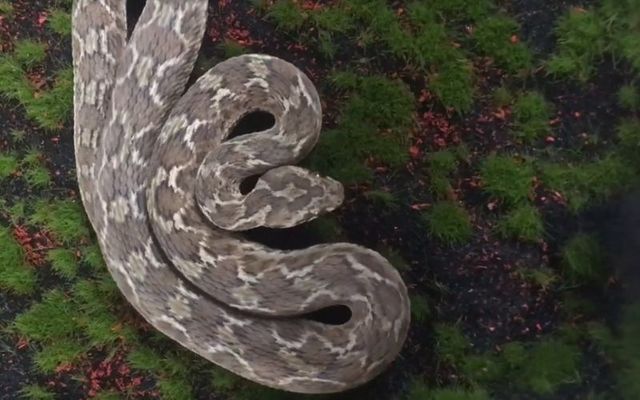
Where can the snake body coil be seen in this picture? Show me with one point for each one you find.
(160, 182)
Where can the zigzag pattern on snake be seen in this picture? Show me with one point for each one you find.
(160, 182)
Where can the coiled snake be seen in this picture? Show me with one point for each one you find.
(160, 182)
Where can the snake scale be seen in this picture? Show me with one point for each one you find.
(159, 178)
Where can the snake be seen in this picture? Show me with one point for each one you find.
(160, 178)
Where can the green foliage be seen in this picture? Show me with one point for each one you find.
(60, 22)
(382, 199)
(14, 84)
(449, 222)
(419, 308)
(502, 97)
(451, 345)
(581, 43)
(60, 352)
(52, 108)
(420, 391)
(333, 20)
(624, 350)
(145, 359)
(15, 274)
(63, 262)
(34, 172)
(459, 394)
(231, 48)
(441, 165)
(29, 53)
(507, 178)
(442, 162)
(8, 165)
(629, 97)
(175, 388)
(327, 228)
(394, 257)
(531, 114)
(542, 277)
(6, 8)
(587, 183)
(550, 363)
(523, 222)
(93, 257)
(18, 135)
(453, 84)
(628, 132)
(287, 16)
(583, 260)
(479, 368)
(375, 122)
(64, 218)
(493, 38)
(51, 320)
(36, 392)
(96, 318)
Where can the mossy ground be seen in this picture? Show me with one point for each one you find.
(484, 146)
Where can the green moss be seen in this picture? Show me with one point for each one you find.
(541, 277)
(96, 316)
(34, 172)
(29, 53)
(523, 222)
(629, 97)
(8, 165)
(588, 183)
(108, 395)
(36, 392)
(52, 108)
(327, 228)
(60, 352)
(64, 218)
(449, 222)
(550, 363)
(583, 260)
(286, 15)
(374, 123)
(92, 255)
(480, 368)
(453, 84)
(231, 48)
(63, 262)
(382, 199)
(582, 40)
(628, 132)
(459, 394)
(60, 22)
(451, 345)
(145, 359)
(507, 179)
(502, 97)
(333, 20)
(394, 257)
(51, 320)
(531, 115)
(420, 310)
(442, 162)
(493, 38)
(14, 84)
(18, 135)
(6, 8)
(15, 274)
